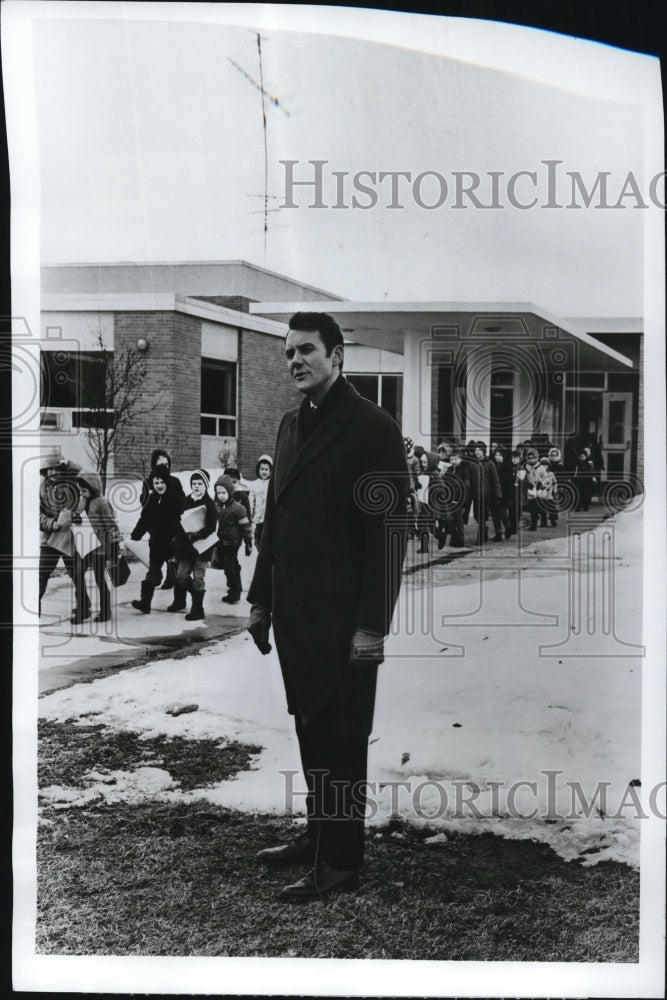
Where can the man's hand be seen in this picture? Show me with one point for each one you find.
(248, 548)
(367, 647)
(260, 623)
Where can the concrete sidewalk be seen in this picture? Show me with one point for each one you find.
(72, 653)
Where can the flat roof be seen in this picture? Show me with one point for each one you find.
(384, 324)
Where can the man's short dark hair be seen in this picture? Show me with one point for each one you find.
(326, 326)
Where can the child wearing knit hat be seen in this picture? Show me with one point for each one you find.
(190, 562)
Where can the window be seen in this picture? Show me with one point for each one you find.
(72, 380)
(218, 398)
(385, 390)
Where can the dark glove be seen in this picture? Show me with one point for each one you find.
(135, 537)
(366, 647)
(248, 548)
(260, 623)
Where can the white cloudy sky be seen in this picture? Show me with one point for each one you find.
(151, 148)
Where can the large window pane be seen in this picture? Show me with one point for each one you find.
(73, 380)
(366, 385)
(392, 395)
(218, 387)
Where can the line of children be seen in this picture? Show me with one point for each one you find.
(502, 487)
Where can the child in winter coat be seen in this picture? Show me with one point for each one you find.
(559, 472)
(190, 563)
(541, 486)
(161, 519)
(103, 523)
(258, 492)
(233, 527)
(240, 491)
(456, 482)
(516, 503)
(583, 480)
(428, 498)
(58, 500)
(500, 505)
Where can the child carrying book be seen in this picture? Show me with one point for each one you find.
(193, 547)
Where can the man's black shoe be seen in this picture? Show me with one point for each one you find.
(319, 882)
(301, 851)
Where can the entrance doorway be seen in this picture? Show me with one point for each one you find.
(502, 406)
(616, 432)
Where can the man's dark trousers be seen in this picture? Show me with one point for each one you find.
(334, 757)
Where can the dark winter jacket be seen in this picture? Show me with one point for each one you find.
(456, 482)
(101, 515)
(233, 521)
(489, 480)
(325, 566)
(505, 478)
(161, 519)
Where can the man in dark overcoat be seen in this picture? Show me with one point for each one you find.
(327, 578)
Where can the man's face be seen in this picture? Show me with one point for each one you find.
(162, 460)
(313, 372)
(423, 461)
(159, 485)
(197, 487)
(264, 470)
(479, 454)
(456, 460)
(221, 494)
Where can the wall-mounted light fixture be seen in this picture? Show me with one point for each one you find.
(142, 345)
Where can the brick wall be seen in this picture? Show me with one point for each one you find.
(171, 397)
(265, 393)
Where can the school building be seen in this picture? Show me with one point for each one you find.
(211, 338)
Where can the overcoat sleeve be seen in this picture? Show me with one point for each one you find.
(385, 527)
(261, 588)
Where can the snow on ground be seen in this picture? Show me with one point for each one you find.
(476, 729)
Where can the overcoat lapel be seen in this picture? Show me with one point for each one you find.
(320, 438)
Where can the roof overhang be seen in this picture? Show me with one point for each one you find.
(384, 325)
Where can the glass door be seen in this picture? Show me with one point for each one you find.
(616, 433)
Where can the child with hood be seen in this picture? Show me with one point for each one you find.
(456, 482)
(103, 523)
(233, 527)
(191, 564)
(556, 467)
(429, 481)
(541, 486)
(161, 520)
(258, 492)
(414, 468)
